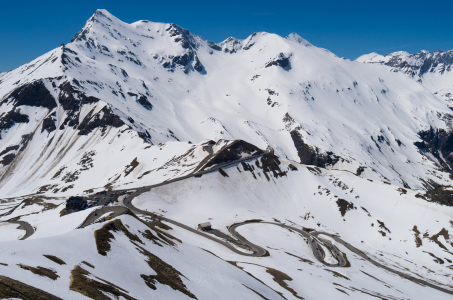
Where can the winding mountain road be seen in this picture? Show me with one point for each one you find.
(313, 238)
(29, 230)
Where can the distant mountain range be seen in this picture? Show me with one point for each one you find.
(432, 69)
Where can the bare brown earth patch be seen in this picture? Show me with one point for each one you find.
(443, 233)
(103, 236)
(418, 240)
(55, 259)
(10, 288)
(92, 288)
(41, 271)
(280, 278)
(166, 274)
(336, 274)
(88, 264)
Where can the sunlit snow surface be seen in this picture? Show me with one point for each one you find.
(9, 232)
(238, 89)
(364, 114)
(306, 198)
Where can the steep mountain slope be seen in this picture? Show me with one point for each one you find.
(126, 257)
(392, 225)
(123, 259)
(432, 69)
(150, 83)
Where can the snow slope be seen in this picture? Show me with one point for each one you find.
(385, 221)
(120, 271)
(120, 91)
(431, 69)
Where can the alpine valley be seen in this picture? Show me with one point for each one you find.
(321, 177)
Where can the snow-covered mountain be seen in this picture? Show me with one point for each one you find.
(432, 69)
(129, 259)
(125, 87)
(353, 150)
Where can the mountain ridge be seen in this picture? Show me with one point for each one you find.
(157, 82)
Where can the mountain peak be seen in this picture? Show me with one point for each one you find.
(298, 39)
(103, 14)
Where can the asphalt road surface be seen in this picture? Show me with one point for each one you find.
(24, 226)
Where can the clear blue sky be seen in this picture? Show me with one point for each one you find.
(347, 28)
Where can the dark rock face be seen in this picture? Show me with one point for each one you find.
(270, 164)
(33, 94)
(442, 195)
(49, 123)
(440, 144)
(8, 149)
(182, 36)
(344, 206)
(281, 60)
(233, 152)
(7, 159)
(71, 100)
(430, 62)
(214, 46)
(91, 122)
(310, 155)
(143, 101)
(184, 61)
(10, 118)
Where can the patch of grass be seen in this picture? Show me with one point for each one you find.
(46, 188)
(382, 225)
(10, 288)
(94, 289)
(402, 191)
(103, 236)
(130, 167)
(151, 237)
(336, 274)
(88, 264)
(444, 233)
(436, 259)
(442, 196)
(166, 274)
(41, 271)
(55, 259)
(418, 240)
(280, 277)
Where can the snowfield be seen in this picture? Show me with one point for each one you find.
(120, 100)
(380, 222)
(9, 232)
(150, 112)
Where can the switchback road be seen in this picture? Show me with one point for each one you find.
(29, 230)
(313, 238)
